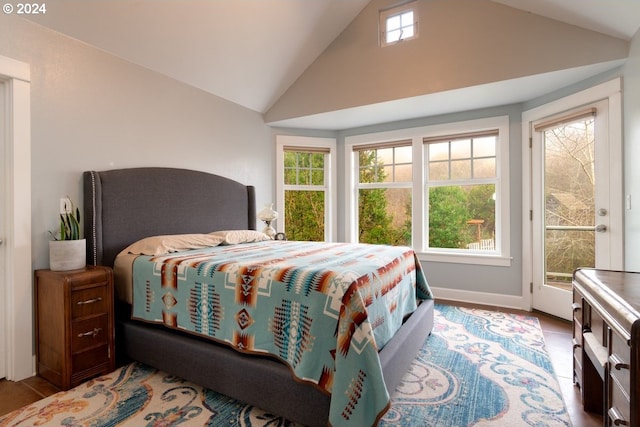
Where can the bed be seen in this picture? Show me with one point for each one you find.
(125, 206)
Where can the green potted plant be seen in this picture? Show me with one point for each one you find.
(67, 251)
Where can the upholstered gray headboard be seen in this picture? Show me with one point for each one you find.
(122, 206)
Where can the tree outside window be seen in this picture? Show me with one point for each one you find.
(442, 189)
(304, 195)
(569, 198)
(384, 194)
(461, 185)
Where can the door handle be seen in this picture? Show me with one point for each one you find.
(601, 228)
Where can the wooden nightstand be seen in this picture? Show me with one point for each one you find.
(74, 324)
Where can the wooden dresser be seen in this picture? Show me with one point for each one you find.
(74, 324)
(606, 343)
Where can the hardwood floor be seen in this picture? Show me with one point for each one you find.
(557, 334)
(14, 395)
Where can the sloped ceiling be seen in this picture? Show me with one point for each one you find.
(469, 54)
(617, 18)
(245, 51)
(250, 52)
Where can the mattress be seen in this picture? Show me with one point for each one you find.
(324, 309)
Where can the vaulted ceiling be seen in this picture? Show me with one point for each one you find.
(250, 52)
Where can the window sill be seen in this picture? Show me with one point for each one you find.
(473, 258)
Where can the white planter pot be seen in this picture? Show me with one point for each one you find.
(67, 254)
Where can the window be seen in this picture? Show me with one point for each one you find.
(305, 182)
(442, 189)
(384, 193)
(398, 24)
(461, 191)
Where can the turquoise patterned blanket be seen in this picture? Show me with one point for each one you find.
(324, 309)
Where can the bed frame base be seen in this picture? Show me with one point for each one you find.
(261, 381)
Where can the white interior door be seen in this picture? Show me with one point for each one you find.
(571, 200)
(3, 192)
(17, 273)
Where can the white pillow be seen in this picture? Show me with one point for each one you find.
(160, 245)
(234, 237)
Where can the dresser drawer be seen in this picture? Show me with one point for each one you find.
(619, 364)
(577, 367)
(576, 308)
(577, 333)
(577, 305)
(89, 333)
(619, 407)
(89, 301)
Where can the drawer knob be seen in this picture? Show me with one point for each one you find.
(616, 417)
(617, 363)
(90, 301)
(93, 333)
(575, 306)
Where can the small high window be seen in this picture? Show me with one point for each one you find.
(398, 24)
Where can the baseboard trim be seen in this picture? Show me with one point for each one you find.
(506, 301)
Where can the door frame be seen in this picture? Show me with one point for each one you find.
(18, 299)
(611, 91)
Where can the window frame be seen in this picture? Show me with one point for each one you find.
(330, 179)
(502, 255)
(393, 184)
(393, 11)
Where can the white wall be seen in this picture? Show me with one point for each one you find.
(91, 110)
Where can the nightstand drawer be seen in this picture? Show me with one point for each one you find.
(86, 302)
(89, 333)
(89, 359)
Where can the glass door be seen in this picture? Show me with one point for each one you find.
(570, 180)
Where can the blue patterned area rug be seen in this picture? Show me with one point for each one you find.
(478, 368)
